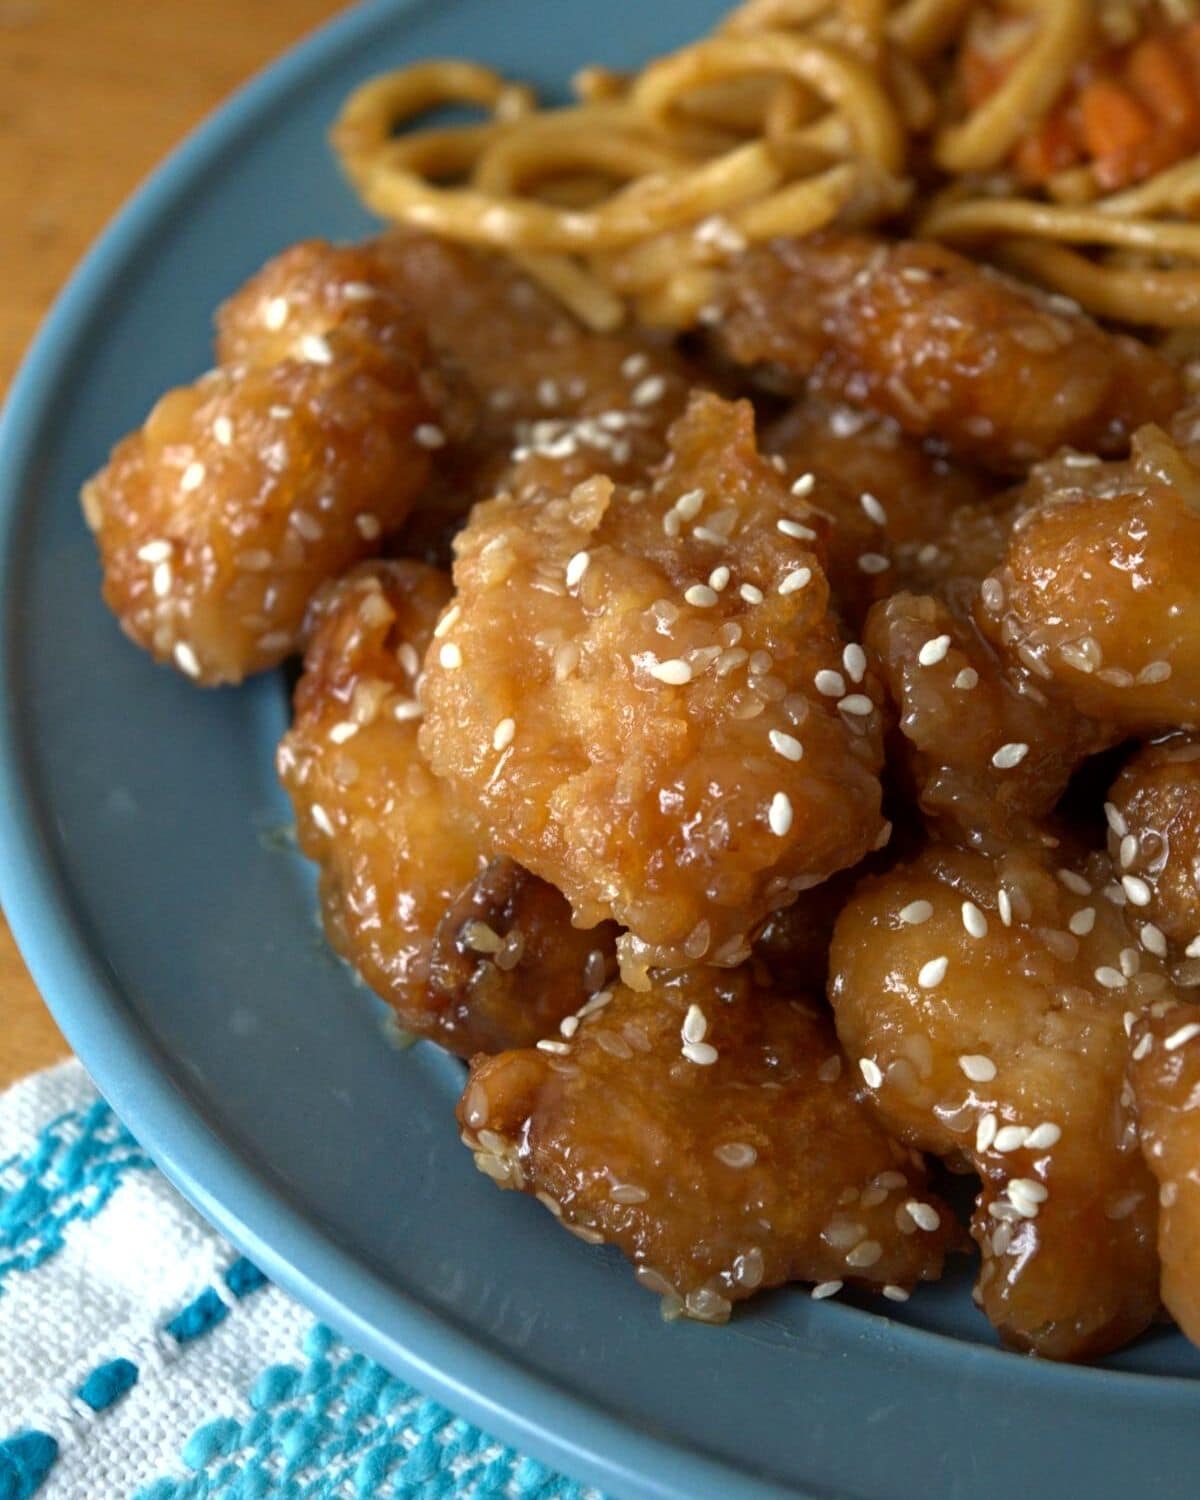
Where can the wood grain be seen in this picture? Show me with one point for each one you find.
(92, 95)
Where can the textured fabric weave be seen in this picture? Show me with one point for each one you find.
(141, 1358)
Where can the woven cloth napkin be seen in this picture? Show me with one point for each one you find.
(142, 1358)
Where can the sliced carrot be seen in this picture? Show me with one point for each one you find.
(1052, 147)
(1112, 119)
(1161, 82)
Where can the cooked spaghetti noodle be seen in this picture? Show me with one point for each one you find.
(1059, 137)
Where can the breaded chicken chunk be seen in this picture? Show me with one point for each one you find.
(241, 494)
(997, 371)
(985, 755)
(888, 498)
(477, 954)
(1097, 594)
(711, 1132)
(643, 693)
(1165, 1070)
(985, 1003)
(1154, 839)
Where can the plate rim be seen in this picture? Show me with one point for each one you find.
(583, 1438)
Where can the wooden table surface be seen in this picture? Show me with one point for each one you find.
(92, 94)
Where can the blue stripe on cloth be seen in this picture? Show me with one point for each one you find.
(107, 1383)
(69, 1174)
(339, 1425)
(25, 1460)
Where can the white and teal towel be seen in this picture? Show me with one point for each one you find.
(141, 1358)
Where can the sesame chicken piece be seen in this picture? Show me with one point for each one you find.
(1154, 840)
(218, 519)
(710, 1131)
(1097, 594)
(985, 1002)
(475, 953)
(950, 349)
(986, 758)
(686, 750)
(1165, 1071)
(888, 499)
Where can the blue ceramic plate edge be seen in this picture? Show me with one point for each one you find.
(443, 1361)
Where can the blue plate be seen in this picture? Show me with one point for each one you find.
(178, 946)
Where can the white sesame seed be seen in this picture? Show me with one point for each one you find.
(450, 656)
(342, 732)
(1043, 1136)
(503, 733)
(1026, 1192)
(796, 529)
(825, 1289)
(314, 347)
(718, 578)
(1193, 948)
(547, 1045)
(222, 430)
(1011, 1137)
(974, 920)
(1153, 940)
(779, 815)
(977, 1067)
(703, 1054)
(429, 435)
(804, 485)
(857, 704)
(932, 973)
(700, 596)
(634, 365)
(689, 505)
(923, 1215)
(786, 745)
(695, 1025)
(305, 525)
(193, 476)
(1128, 850)
(673, 672)
(1154, 671)
(1136, 889)
(1083, 921)
(1010, 755)
(1005, 906)
(368, 527)
(751, 593)
(916, 912)
(967, 679)
(895, 1293)
(321, 818)
(154, 552)
(1116, 819)
(160, 580)
(1110, 978)
(934, 651)
(671, 523)
(797, 579)
(186, 659)
(448, 621)
(1075, 882)
(864, 1254)
(832, 684)
(1143, 1047)
(873, 563)
(854, 659)
(1182, 1036)
(985, 1132)
(576, 568)
(736, 1154)
(406, 709)
(648, 391)
(871, 1072)
(873, 510)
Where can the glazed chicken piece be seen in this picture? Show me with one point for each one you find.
(888, 499)
(997, 371)
(711, 1132)
(984, 1003)
(1097, 594)
(218, 519)
(1154, 840)
(645, 696)
(475, 953)
(978, 745)
(1165, 1071)
(526, 379)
